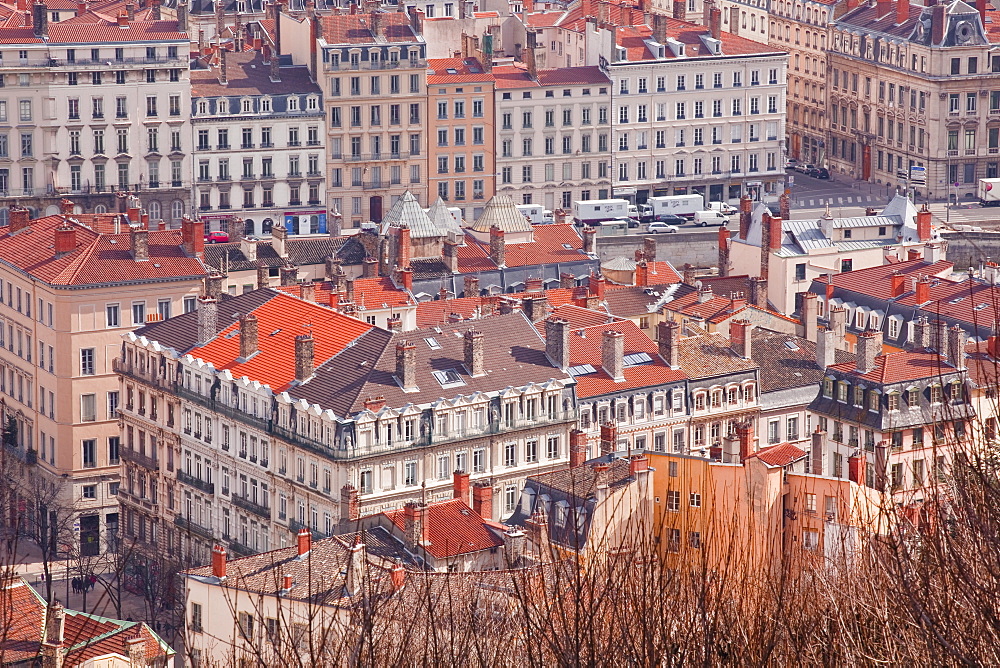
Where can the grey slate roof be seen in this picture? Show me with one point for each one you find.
(406, 212)
(501, 212)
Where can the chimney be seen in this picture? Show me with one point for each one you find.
(705, 293)
(154, 11)
(208, 317)
(413, 523)
(816, 452)
(924, 221)
(898, 284)
(140, 244)
(557, 342)
(744, 430)
(567, 281)
(514, 543)
(357, 559)
(331, 266)
(406, 278)
(740, 333)
(219, 562)
(578, 448)
(122, 19)
(869, 347)
(903, 12)
(130, 10)
(263, 276)
(535, 307)
(248, 336)
(497, 246)
(182, 17)
(595, 285)
(279, 240)
(304, 357)
(921, 333)
(641, 274)
(649, 248)
(304, 542)
(307, 291)
(223, 74)
(934, 252)
(349, 504)
(289, 275)
(287, 582)
(482, 499)
(528, 56)
(64, 239)
(981, 6)
(590, 240)
(66, 206)
(449, 253)
(40, 19)
(826, 348)
(609, 438)
(659, 24)
(55, 627)
(397, 575)
(474, 352)
(193, 235)
(923, 290)
(612, 354)
(856, 465)
(939, 17)
(765, 244)
(746, 209)
(809, 313)
(276, 58)
(680, 10)
(715, 21)
(724, 245)
(758, 292)
(638, 464)
(471, 285)
(668, 339)
(838, 323)
(882, 8)
(785, 206)
(774, 234)
(406, 365)
(460, 486)
(81, 8)
(881, 462)
(19, 218)
(956, 347)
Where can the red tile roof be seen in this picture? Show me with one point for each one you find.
(94, 27)
(549, 246)
(279, 321)
(98, 258)
(579, 317)
(437, 311)
(877, 281)
(369, 293)
(452, 529)
(585, 348)
(513, 76)
(355, 28)
(782, 454)
(715, 309)
(566, 76)
(900, 367)
(466, 70)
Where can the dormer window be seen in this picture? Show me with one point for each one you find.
(265, 104)
(246, 106)
(222, 107)
(312, 103)
(293, 103)
(842, 391)
(202, 107)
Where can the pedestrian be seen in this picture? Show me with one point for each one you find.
(75, 582)
(93, 581)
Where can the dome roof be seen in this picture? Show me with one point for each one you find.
(406, 212)
(501, 212)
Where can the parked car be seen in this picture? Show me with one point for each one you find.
(671, 219)
(804, 168)
(790, 163)
(217, 237)
(657, 227)
(704, 218)
(822, 173)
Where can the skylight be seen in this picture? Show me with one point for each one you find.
(582, 370)
(636, 358)
(448, 378)
(791, 345)
(433, 343)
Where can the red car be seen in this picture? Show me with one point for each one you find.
(217, 237)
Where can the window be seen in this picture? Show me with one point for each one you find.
(90, 453)
(86, 361)
(695, 499)
(138, 313)
(673, 501)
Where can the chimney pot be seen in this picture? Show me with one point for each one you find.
(460, 485)
(304, 542)
(578, 447)
(869, 347)
(219, 562)
(612, 355)
(482, 499)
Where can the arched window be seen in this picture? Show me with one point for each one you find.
(155, 212)
(100, 208)
(176, 210)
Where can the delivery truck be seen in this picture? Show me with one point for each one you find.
(989, 192)
(590, 211)
(533, 212)
(679, 205)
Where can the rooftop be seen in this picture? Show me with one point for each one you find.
(452, 528)
(248, 74)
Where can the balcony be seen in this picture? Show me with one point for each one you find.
(416, 63)
(187, 525)
(240, 549)
(295, 526)
(130, 455)
(249, 506)
(187, 479)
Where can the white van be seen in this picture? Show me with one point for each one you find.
(705, 218)
(725, 208)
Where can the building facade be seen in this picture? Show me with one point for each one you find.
(95, 105)
(259, 144)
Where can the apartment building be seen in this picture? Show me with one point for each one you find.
(462, 155)
(910, 86)
(259, 144)
(553, 139)
(71, 286)
(93, 105)
(800, 27)
(372, 70)
(275, 422)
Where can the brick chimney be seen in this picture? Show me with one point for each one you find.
(471, 285)
(638, 464)
(680, 10)
(609, 438)
(406, 278)
(744, 431)
(19, 218)
(649, 248)
(535, 307)
(263, 276)
(816, 451)
(838, 323)
(55, 626)
(557, 342)
(219, 562)
(482, 499)
(740, 334)
(64, 239)
(406, 365)
(578, 447)
(883, 8)
(208, 318)
(956, 347)
(595, 285)
(903, 11)
(923, 290)
(460, 485)
(869, 347)
(304, 357)
(668, 334)
(413, 523)
(497, 246)
(304, 542)
(307, 291)
(349, 504)
(921, 333)
(642, 273)
(826, 347)
(724, 245)
(397, 575)
(758, 292)
(924, 223)
(705, 293)
(248, 336)
(474, 343)
(193, 235)
(715, 21)
(288, 275)
(589, 240)
(369, 266)
(140, 244)
(898, 284)
(40, 19)
(810, 311)
(612, 355)
(746, 213)
(856, 465)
